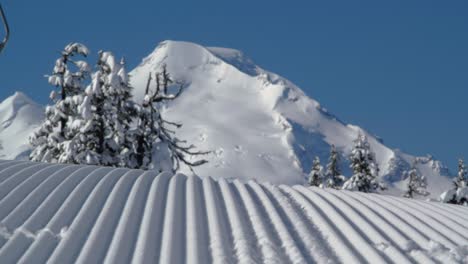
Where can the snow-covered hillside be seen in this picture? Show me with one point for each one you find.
(258, 124)
(19, 116)
(58, 213)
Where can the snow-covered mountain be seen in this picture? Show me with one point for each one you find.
(258, 124)
(19, 116)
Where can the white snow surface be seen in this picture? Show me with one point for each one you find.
(58, 213)
(257, 124)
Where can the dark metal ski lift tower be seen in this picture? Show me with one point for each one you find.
(7, 29)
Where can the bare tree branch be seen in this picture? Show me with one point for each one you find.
(179, 152)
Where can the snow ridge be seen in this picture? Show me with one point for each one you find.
(87, 214)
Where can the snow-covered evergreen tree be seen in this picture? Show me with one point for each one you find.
(55, 140)
(417, 183)
(455, 196)
(107, 111)
(459, 194)
(364, 166)
(316, 174)
(124, 113)
(334, 178)
(461, 180)
(157, 146)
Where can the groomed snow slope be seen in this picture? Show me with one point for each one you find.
(59, 213)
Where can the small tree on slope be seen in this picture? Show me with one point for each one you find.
(417, 183)
(458, 195)
(461, 180)
(107, 110)
(364, 166)
(316, 174)
(54, 141)
(333, 174)
(157, 147)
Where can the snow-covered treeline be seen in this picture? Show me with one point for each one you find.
(365, 171)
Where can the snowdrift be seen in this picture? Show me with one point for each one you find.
(60, 213)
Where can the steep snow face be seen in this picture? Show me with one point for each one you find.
(19, 116)
(258, 124)
(224, 110)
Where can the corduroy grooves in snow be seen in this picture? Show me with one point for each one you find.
(60, 213)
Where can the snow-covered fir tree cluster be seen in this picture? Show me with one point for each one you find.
(330, 176)
(363, 164)
(366, 170)
(95, 121)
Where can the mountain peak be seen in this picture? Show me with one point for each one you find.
(19, 116)
(17, 99)
(191, 55)
(257, 124)
(178, 52)
(11, 105)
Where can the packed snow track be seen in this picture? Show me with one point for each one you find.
(59, 213)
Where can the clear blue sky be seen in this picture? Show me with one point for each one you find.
(396, 68)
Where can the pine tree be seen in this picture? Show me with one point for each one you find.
(316, 174)
(364, 166)
(107, 110)
(55, 140)
(125, 111)
(417, 183)
(461, 180)
(333, 173)
(459, 194)
(157, 147)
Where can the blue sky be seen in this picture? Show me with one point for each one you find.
(396, 68)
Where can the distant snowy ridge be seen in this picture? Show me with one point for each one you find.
(19, 116)
(58, 213)
(258, 124)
